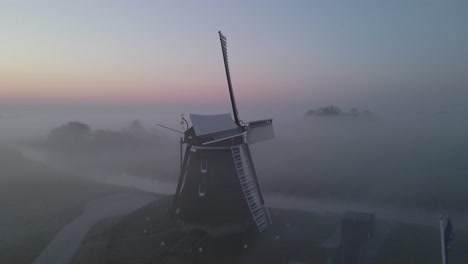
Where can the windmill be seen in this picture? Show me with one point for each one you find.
(218, 190)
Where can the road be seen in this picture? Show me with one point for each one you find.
(64, 245)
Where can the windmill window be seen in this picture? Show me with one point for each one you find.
(204, 166)
(201, 190)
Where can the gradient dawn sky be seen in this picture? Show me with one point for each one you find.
(293, 51)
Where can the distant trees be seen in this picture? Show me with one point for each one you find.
(332, 110)
(135, 128)
(76, 137)
(355, 112)
(73, 136)
(72, 131)
(327, 110)
(134, 149)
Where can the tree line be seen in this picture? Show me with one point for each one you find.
(333, 110)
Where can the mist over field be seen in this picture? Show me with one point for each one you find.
(369, 108)
(410, 160)
(404, 158)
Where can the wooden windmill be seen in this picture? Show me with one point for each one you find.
(218, 190)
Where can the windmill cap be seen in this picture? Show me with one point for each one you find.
(208, 124)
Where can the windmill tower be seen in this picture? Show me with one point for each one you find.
(218, 190)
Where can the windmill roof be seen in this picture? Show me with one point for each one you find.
(208, 124)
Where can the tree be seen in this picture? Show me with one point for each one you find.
(355, 112)
(325, 110)
(69, 135)
(368, 113)
(136, 128)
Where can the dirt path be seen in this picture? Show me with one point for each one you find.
(62, 248)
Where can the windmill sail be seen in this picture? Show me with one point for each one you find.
(250, 186)
(222, 39)
(260, 131)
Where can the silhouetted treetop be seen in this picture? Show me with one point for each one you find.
(325, 110)
(332, 110)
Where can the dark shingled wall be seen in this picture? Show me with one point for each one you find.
(224, 200)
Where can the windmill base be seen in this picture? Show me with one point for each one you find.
(216, 230)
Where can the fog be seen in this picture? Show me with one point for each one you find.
(413, 159)
(402, 157)
(405, 165)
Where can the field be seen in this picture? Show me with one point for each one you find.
(408, 244)
(295, 235)
(411, 161)
(36, 202)
(94, 245)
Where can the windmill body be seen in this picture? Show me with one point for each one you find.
(218, 190)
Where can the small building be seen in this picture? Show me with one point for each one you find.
(355, 230)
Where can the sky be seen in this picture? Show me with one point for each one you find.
(356, 53)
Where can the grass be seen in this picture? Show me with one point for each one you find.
(300, 235)
(36, 202)
(93, 249)
(139, 236)
(420, 244)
